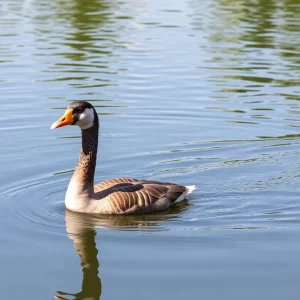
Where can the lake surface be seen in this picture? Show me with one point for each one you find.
(195, 92)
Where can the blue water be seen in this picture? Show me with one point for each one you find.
(194, 92)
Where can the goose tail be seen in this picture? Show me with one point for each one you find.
(190, 189)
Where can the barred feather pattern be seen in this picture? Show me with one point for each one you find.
(130, 195)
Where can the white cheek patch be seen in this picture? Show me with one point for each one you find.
(86, 119)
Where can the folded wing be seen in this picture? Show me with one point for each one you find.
(129, 195)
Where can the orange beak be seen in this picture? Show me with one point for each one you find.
(66, 119)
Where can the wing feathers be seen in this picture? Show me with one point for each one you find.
(129, 195)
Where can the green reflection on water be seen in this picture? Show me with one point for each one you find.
(250, 36)
(63, 172)
(85, 18)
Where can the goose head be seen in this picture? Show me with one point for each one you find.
(80, 113)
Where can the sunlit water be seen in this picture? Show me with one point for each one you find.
(195, 92)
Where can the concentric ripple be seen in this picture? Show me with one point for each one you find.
(37, 204)
(235, 199)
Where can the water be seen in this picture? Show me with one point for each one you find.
(195, 92)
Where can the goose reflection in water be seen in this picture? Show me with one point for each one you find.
(81, 229)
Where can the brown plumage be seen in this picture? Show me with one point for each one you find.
(113, 196)
(129, 195)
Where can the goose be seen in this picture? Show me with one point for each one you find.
(112, 196)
